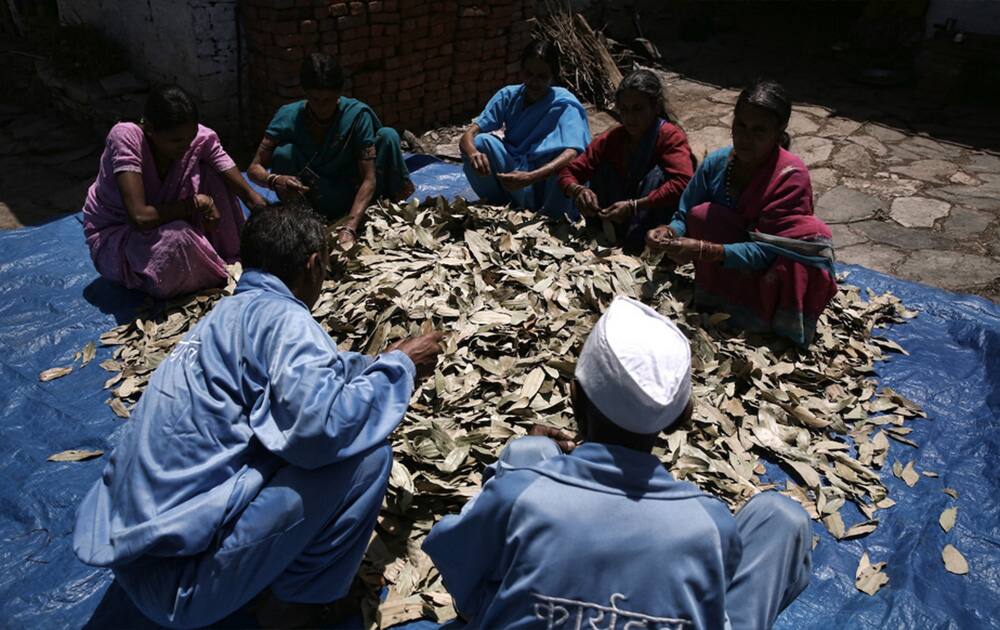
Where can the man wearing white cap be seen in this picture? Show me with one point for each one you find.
(604, 536)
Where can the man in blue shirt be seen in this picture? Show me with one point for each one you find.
(257, 459)
(603, 536)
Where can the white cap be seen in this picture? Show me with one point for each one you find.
(635, 367)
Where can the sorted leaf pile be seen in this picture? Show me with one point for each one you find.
(518, 297)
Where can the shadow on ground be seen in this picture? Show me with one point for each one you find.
(728, 44)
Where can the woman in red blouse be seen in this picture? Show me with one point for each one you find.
(637, 170)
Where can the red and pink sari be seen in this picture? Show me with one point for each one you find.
(775, 211)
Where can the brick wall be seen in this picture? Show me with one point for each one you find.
(189, 42)
(417, 64)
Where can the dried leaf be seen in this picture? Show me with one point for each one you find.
(947, 518)
(868, 578)
(54, 373)
(89, 352)
(859, 530)
(909, 475)
(835, 524)
(119, 408)
(74, 455)
(954, 561)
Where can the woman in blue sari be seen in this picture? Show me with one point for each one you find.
(331, 150)
(544, 128)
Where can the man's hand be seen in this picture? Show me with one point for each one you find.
(659, 237)
(210, 215)
(566, 441)
(618, 212)
(586, 202)
(480, 163)
(515, 180)
(423, 350)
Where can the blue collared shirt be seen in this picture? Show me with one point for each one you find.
(257, 384)
(603, 529)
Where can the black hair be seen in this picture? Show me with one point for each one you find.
(547, 52)
(648, 84)
(771, 96)
(320, 71)
(168, 106)
(280, 238)
(593, 424)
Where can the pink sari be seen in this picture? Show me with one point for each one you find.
(788, 297)
(177, 257)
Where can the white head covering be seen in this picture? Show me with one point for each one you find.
(636, 367)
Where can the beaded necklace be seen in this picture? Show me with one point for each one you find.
(729, 178)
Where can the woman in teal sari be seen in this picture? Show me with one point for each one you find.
(331, 150)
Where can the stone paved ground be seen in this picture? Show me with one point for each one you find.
(901, 196)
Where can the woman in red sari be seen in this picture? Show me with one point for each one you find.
(636, 170)
(746, 221)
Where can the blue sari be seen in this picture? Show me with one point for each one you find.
(533, 135)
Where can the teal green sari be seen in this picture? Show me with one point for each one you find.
(330, 168)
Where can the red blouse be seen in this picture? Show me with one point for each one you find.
(673, 155)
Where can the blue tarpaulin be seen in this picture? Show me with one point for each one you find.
(52, 303)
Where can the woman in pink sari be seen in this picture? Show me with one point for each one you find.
(163, 215)
(746, 221)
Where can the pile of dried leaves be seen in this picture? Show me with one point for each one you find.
(518, 297)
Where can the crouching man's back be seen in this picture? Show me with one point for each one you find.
(602, 536)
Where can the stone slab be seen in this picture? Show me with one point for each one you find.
(728, 97)
(967, 223)
(927, 170)
(964, 179)
(824, 179)
(853, 159)
(844, 236)
(870, 143)
(918, 211)
(707, 139)
(990, 204)
(949, 270)
(907, 239)
(877, 257)
(931, 149)
(812, 150)
(839, 127)
(801, 124)
(845, 205)
(884, 133)
(813, 110)
(983, 163)
(885, 187)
